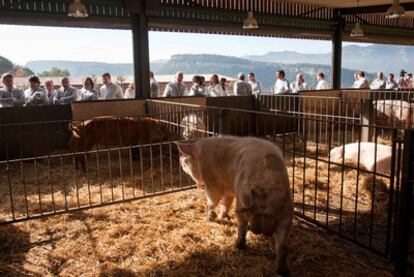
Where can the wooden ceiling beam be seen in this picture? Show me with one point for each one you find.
(32, 19)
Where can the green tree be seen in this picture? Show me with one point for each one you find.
(5, 65)
(27, 72)
(55, 72)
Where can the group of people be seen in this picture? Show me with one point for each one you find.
(251, 86)
(282, 85)
(37, 95)
(217, 87)
(405, 81)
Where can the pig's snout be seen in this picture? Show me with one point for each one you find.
(263, 224)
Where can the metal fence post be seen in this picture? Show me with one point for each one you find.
(405, 209)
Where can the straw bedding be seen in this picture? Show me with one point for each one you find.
(167, 236)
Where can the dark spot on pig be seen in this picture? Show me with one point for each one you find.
(273, 162)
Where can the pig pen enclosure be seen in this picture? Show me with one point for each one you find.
(361, 205)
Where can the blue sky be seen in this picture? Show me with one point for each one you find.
(26, 43)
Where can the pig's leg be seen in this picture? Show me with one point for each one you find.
(241, 231)
(280, 236)
(225, 206)
(212, 201)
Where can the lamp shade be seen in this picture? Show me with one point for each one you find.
(250, 22)
(357, 31)
(77, 9)
(395, 11)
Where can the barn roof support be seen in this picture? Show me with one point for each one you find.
(336, 66)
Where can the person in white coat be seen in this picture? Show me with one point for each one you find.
(35, 95)
(361, 82)
(256, 85)
(215, 89)
(322, 84)
(66, 94)
(391, 83)
(198, 88)
(299, 84)
(10, 96)
(130, 91)
(176, 87)
(379, 82)
(281, 85)
(50, 90)
(241, 87)
(88, 92)
(110, 90)
(154, 86)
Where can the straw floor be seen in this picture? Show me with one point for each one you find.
(168, 236)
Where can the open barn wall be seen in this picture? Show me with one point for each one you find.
(356, 203)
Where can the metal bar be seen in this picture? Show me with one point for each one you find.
(45, 215)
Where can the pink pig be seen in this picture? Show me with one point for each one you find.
(366, 156)
(254, 172)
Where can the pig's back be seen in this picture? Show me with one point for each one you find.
(256, 160)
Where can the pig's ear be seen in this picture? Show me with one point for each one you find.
(186, 148)
(245, 199)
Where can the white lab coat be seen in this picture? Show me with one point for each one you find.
(113, 91)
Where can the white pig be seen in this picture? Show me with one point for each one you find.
(366, 156)
(254, 172)
(193, 126)
(395, 110)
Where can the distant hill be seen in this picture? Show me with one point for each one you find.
(386, 58)
(83, 68)
(265, 71)
(203, 63)
(8, 66)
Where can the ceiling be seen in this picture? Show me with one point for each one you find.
(348, 3)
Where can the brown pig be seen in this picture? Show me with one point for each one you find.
(115, 132)
(252, 171)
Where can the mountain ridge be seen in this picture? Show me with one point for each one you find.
(202, 63)
(372, 58)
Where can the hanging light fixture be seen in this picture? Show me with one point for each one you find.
(357, 31)
(77, 9)
(395, 11)
(250, 22)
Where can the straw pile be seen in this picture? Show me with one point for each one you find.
(167, 236)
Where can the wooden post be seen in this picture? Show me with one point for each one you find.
(405, 215)
(337, 53)
(366, 119)
(141, 53)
